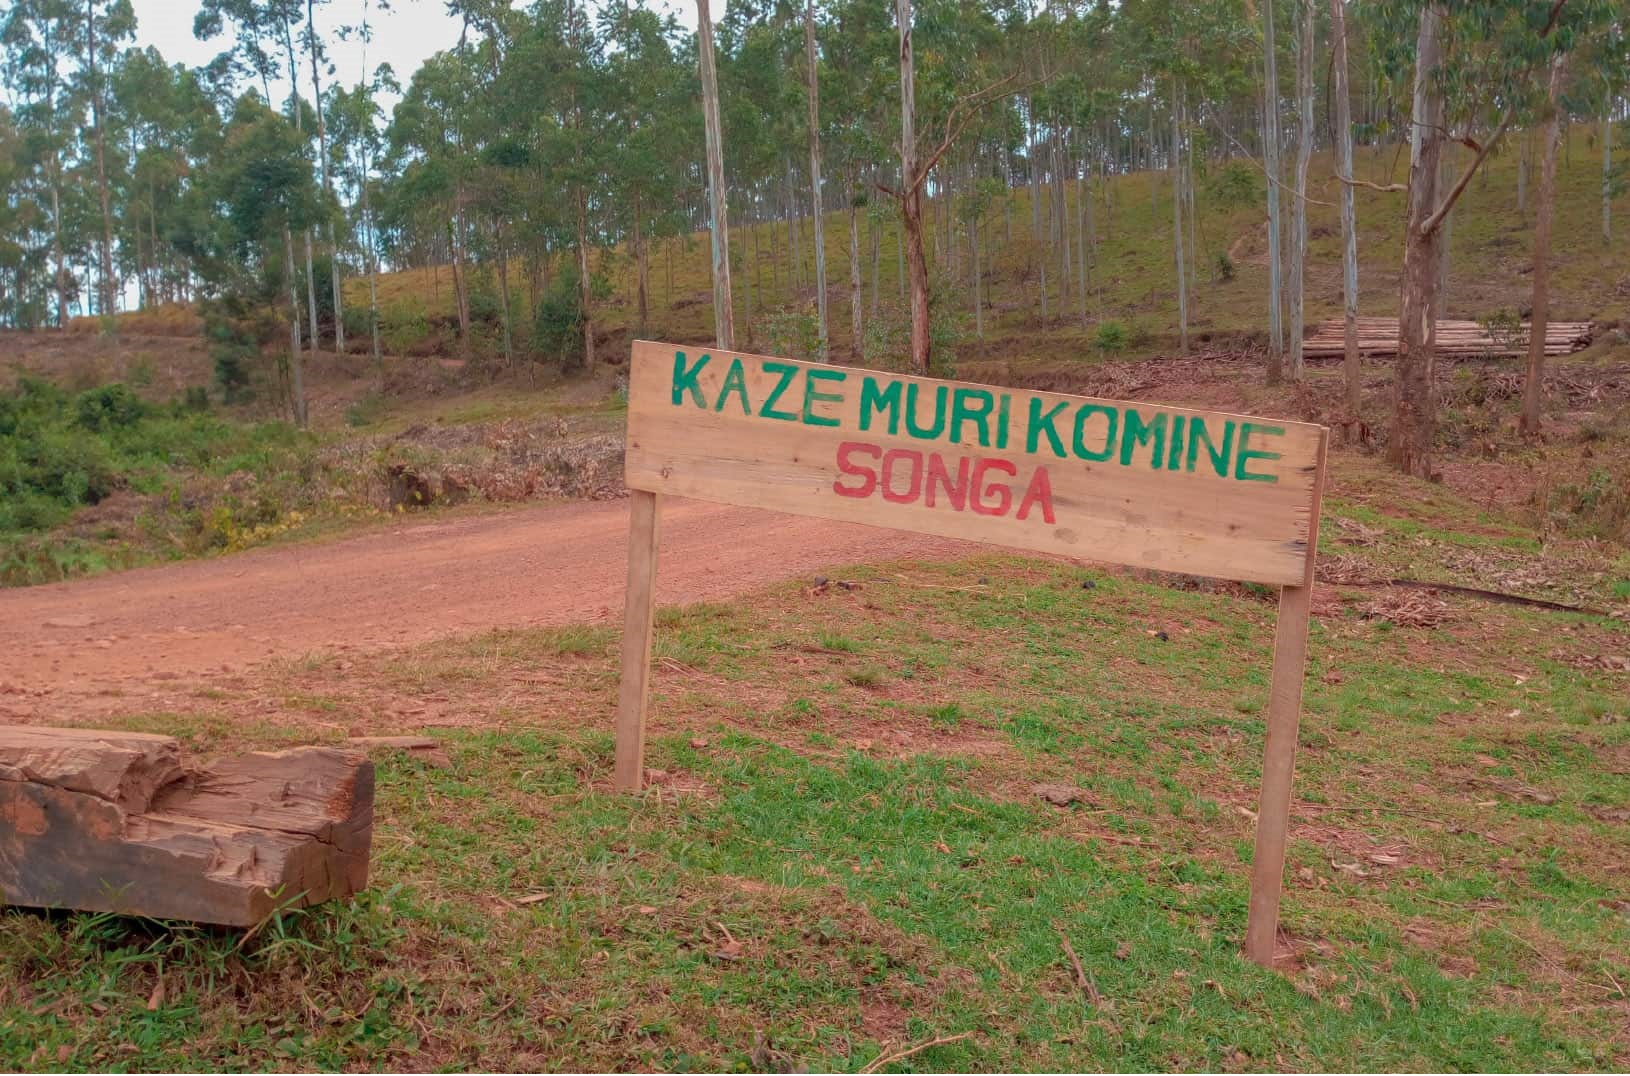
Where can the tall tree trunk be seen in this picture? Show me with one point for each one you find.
(911, 195)
(1084, 233)
(56, 242)
(585, 287)
(724, 318)
(874, 236)
(1446, 178)
(299, 129)
(1176, 166)
(1304, 153)
(1415, 395)
(855, 336)
(815, 174)
(642, 306)
(373, 274)
(1522, 173)
(328, 188)
(1533, 388)
(1061, 219)
(502, 253)
(1044, 255)
(747, 277)
(1349, 227)
(795, 245)
(107, 299)
(1270, 161)
(978, 298)
(297, 379)
(1607, 172)
(461, 276)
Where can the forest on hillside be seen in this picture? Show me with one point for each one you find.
(557, 143)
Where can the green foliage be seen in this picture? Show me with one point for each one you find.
(1225, 266)
(1597, 505)
(557, 323)
(1111, 337)
(793, 334)
(238, 329)
(404, 325)
(887, 343)
(109, 407)
(1504, 327)
(59, 453)
(1234, 184)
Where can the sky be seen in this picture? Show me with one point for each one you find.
(404, 37)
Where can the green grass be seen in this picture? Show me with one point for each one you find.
(846, 859)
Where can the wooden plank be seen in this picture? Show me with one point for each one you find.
(639, 611)
(1279, 748)
(1118, 481)
(138, 833)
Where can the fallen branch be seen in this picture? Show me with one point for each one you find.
(1477, 592)
(889, 1059)
(1082, 979)
(1390, 188)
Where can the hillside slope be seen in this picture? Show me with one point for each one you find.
(1132, 279)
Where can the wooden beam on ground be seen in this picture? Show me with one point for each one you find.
(117, 822)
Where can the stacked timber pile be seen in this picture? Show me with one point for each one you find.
(1379, 336)
(114, 822)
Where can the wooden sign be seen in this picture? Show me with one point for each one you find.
(1129, 483)
(1126, 482)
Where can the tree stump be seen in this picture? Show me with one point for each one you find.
(115, 822)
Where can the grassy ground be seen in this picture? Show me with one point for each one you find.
(842, 855)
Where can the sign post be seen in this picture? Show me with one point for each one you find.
(1127, 482)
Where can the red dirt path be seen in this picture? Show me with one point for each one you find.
(76, 649)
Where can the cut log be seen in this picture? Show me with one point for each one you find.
(115, 822)
(1379, 337)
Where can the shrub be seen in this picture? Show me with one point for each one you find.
(403, 325)
(1234, 184)
(1110, 338)
(792, 334)
(1225, 266)
(887, 339)
(108, 407)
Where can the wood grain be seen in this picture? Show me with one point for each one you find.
(1279, 751)
(1122, 510)
(634, 689)
(114, 822)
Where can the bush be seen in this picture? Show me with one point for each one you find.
(1225, 266)
(557, 323)
(792, 334)
(403, 325)
(109, 407)
(1234, 184)
(1111, 337)
(887, 337)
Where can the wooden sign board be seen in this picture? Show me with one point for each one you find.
(1126, 482)
(1129, 483)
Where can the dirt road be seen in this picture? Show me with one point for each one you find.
(406, 584)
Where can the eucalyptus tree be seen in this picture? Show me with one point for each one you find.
(258, 189)
(107, 23)
(1350, 369)
(653, 103)
(1478, 68)
(432, 159)
(354, 121)
(37, 35)
(963, 54)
